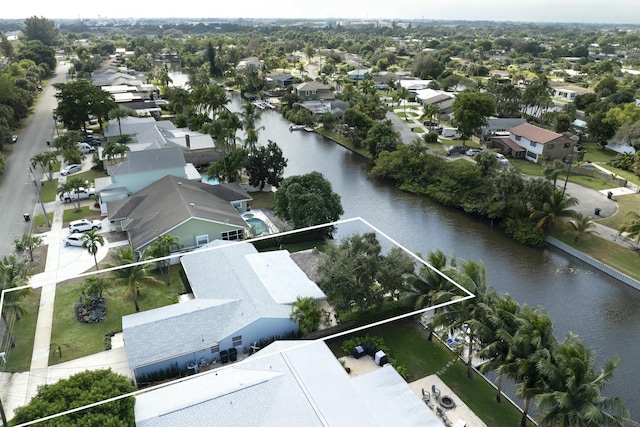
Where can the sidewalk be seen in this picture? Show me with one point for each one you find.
(62, 263)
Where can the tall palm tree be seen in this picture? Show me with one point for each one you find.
(466, 316)
(231, 121)
(44, 159)
(428, 282)
(91, 242)
(162, 247)
(14, 273)
(631, 228)
(528, 347)
(552, 171)
(558, 206)
(71, 185)
(403, 95)
(118, 114)
(581, 226)
(501, 314)
(305, 311)
(574, 389)
(134, 276)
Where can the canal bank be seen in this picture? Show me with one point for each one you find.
(579, 299)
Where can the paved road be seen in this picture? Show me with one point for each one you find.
(17, 193)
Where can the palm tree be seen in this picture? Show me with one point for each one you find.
(45, 160)
(162, 247)
(574, 396)
(71, 185)
(528, 348)
(428, 282)
(133, 276)
(110, 150)
(118, 114)
(631, 228)
(581, 226)
(14, 273)
(403, 95)
(306, 312)
(555, 208)
(552, 171)
(91, 242)
(95, 285)
(501, 314)
(466, 316)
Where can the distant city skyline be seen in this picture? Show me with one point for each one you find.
(569, 11)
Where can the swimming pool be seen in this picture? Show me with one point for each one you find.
(212, 181)
(257, 225)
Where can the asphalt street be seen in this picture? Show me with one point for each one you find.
(17, 191)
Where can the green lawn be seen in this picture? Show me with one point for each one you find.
(39, 222)
(48, 190)
(19, 357)
(408, 344)
(262, 200)
(627, 203)
(597, 154)
(77, 339)
(90, 175)
(85, 212)
(615, 256)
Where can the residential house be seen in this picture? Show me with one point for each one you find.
(414, 85)
(196, 213)
(359, 73)
(336, 108)
(501, 74)
(444, 100)
(280, 80)
(313, 91)
(541, 142)
(250, 62)
(500, 126)
(198, 148)
(241, 296)
(288, 383)
(140, 169)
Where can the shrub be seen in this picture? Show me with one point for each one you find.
(525, 232)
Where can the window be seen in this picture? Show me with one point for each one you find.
(236, 341)
(215, 348)
(534, 156)
(567, 145)
(533, 144)
(233, 235)
(236, 205)
(550, 146)
(202, 240)
(518, 137)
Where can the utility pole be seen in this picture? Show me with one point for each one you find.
(4, 417)
(35, 184)
(564, 189)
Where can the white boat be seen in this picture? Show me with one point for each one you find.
(296, 127)
(259, 104)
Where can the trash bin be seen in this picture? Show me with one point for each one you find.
(609, 195)
(224, 356)
(233, 354)
(27, 217)
(598, 211)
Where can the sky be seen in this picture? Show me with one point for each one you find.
(585, 11)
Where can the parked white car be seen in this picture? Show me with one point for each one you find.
(502, 159)
(82, 225)
(80, 194)
(73, 239)
(69, 169)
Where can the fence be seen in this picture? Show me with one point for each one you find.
(594, 263)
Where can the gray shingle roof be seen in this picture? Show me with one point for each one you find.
(167, 203)
(167, 332)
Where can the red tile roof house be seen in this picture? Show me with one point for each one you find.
(541, 143)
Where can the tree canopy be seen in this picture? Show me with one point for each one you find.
(471, 110)
(307, 200)
(82, 389)
(41, 29)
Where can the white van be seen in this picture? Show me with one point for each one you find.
(85, 148)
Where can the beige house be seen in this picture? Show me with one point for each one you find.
(538, 142)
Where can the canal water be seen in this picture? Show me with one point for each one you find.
(604, 312)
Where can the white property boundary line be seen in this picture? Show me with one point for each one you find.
(257, 356)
